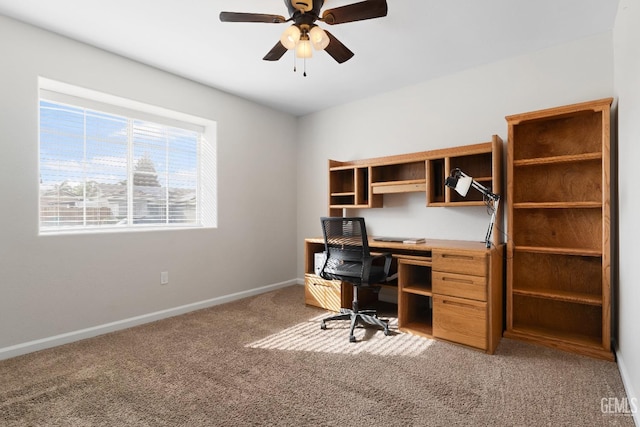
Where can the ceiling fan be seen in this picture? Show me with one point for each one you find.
(304, 33)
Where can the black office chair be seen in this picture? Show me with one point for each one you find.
(348, 259)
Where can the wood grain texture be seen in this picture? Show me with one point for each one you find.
(559, 212)
(361, 184)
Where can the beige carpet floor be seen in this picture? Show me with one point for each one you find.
(264, 361)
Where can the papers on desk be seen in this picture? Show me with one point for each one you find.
(400, 239)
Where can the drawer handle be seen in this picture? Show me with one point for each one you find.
(465, 257)
(459, 304)
(452, 279)
(324, 285)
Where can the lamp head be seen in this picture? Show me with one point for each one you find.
(459, 181)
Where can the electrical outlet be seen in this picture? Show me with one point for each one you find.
(164, 277)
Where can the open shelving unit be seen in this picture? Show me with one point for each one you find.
(558, 209)
(415, 305)
(360, 184)
(348, 187)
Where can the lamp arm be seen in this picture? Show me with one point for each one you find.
(457, 172)
(485, 191)
(487, 238)
(494, 198)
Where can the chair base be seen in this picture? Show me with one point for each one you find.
(357, 317)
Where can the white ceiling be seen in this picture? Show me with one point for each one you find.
(417, 41)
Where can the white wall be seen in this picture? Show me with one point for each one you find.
(57, 285)
(464, 108)
(627, 90)
(60, 284)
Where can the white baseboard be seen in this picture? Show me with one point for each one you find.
(44, 343)
(626, 381)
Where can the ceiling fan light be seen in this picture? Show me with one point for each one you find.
(303, 49)
(290, 37)
(319, 38)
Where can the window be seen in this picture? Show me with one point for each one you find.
(108, 166)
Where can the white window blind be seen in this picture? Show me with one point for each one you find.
(104, 170)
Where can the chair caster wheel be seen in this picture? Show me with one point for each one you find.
(323, 326)
(352, 338)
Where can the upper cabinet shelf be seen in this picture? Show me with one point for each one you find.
(405, 186)
(348, 186)
(362, 183)
(543, 138)
(403, 177)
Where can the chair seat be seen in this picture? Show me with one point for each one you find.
(352, 272)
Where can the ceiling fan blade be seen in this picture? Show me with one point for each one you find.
(275, 53)
(251, 17)
(367, 9)
(337, 50)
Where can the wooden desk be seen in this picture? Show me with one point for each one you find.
(447, 289)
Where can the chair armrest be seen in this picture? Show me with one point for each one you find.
(387, 260)
(368, 262)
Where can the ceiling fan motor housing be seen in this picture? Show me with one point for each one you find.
(304, 6)
(300, 15)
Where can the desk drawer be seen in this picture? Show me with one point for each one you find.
(459, 285)
(460, 262)
(322, 293)
(461, 321)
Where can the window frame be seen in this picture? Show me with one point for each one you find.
(206, 155)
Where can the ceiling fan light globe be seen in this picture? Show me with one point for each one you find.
(290, 37)
(303, 49)
(319, 38)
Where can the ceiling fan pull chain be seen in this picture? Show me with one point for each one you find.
(305, 67)
(294, 63)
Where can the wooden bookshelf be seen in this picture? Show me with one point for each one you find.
(558, 210)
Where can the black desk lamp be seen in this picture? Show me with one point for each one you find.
(461, 182)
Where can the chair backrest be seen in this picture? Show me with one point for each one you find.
(345, 233)
(346, 246)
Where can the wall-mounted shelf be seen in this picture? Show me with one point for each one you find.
(349, 187)
(361, 184)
